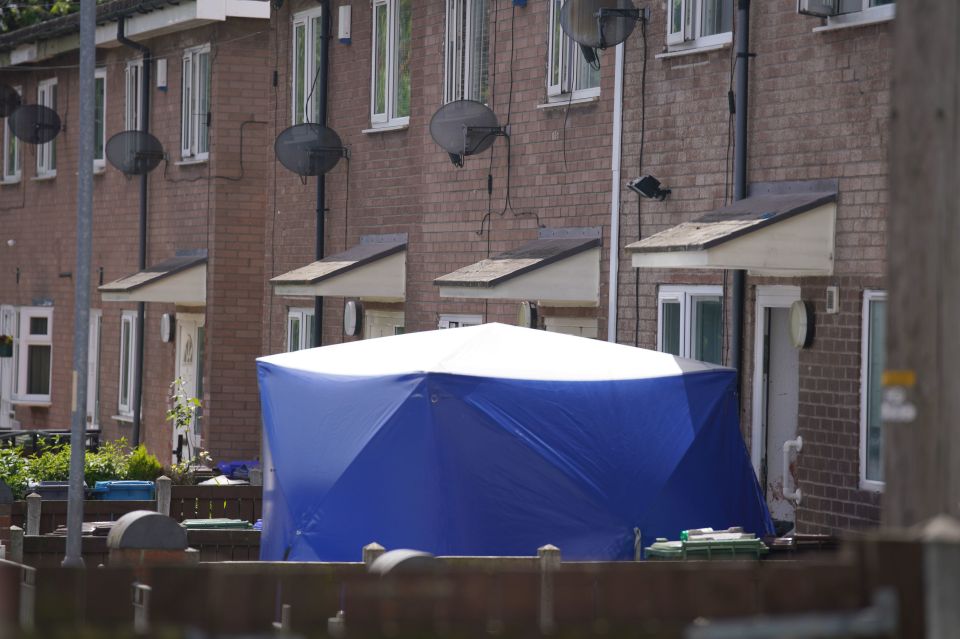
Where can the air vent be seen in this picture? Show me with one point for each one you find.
(833, 299)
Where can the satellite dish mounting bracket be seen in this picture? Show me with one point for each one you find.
(491, 131)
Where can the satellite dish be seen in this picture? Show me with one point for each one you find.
(9, 100)
(464, 127)
(134, 152)
(598, 24)
(309, 149)
(35, 124)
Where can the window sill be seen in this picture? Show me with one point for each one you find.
(863, 18)
(126, 419)
(44, 178)
(694, 50)
(35, 403)
(99, 169)
(872, 485)
(191, 162)
(561, 102)
(387, 128)
(9, 181)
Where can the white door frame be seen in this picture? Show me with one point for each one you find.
(196, 320)
(8, 326)
(93, 368)
(767, 297)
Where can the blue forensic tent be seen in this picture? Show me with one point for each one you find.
(496, 440)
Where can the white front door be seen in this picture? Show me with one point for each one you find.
(776, 395)
(93, 371)
(190, 338)
(8, 326)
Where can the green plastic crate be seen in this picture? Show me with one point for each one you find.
(709, 544)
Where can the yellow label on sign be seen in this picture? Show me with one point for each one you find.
(900, 378)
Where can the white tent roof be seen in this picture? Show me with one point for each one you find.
(489, 350)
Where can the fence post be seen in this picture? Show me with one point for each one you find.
(16, 544)
(141, 608)
(33, 514)
(28, 593)
(256, 477)
(941, 563)
(371, 552)
(549, 563)
(283, 626)
(164, 488)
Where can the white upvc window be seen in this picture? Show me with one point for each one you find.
(128, 363)
(459, 321)
(307, 29)
(851, 13)
(301, 324)
(872, 361)
(569, 75)
(100, 119)
(195, 103)
(390, 76)
(467, 50)
(699, 23)
(47, 153)
(690, 322)
(133, 95)
(33, 349)
(579, 326)
(12, 167)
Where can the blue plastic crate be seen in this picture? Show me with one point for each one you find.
(127, 489)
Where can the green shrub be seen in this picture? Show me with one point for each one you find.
(13, 471)
(53, 464)
(110, 462)
(142, 465)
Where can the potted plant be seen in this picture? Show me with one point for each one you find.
(6, 346)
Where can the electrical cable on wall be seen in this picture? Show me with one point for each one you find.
(643, 133)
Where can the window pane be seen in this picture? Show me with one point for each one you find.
(38, 369)
(380, 61)
(38, 325)
(125, 349)
(676, 16)
(877, 327)
(670, 327)
(293, 334)
(403, 59)
(877, 3)
(203, 101)
(717, 17)
(587, 76)
(187, 97)
(308, 340)
(98, 115)
(299, 80)
(479, 51)
(708, 331)
(556, 42)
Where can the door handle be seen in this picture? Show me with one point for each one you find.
(797, 444)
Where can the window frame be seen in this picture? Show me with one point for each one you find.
(12, 175)
(461, 319)
(47, 153)
(388, 117)
(126, 372)
(303, 316)
(100, 163)
(866, 14)
(94, 339)
(308, 109)
(562, 85)
(689, 35)
(195, 124)
(133, 94)
(23, 340)
(869, 296)
(459, 52)
(686, 296)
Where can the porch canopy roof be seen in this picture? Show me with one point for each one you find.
(179, 280)
(561, 267)
(782, 228)
(376, 268)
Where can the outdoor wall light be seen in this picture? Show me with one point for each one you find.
(649, 187)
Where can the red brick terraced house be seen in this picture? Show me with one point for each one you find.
(206, 66)
(539, 229)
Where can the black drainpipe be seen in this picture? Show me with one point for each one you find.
(740, 177)
(321, 180)
(141, 307)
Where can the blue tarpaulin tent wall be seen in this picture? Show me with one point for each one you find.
(496, 440)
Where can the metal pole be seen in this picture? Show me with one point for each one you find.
(81, 300)
(321, 180)
(740, 178)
